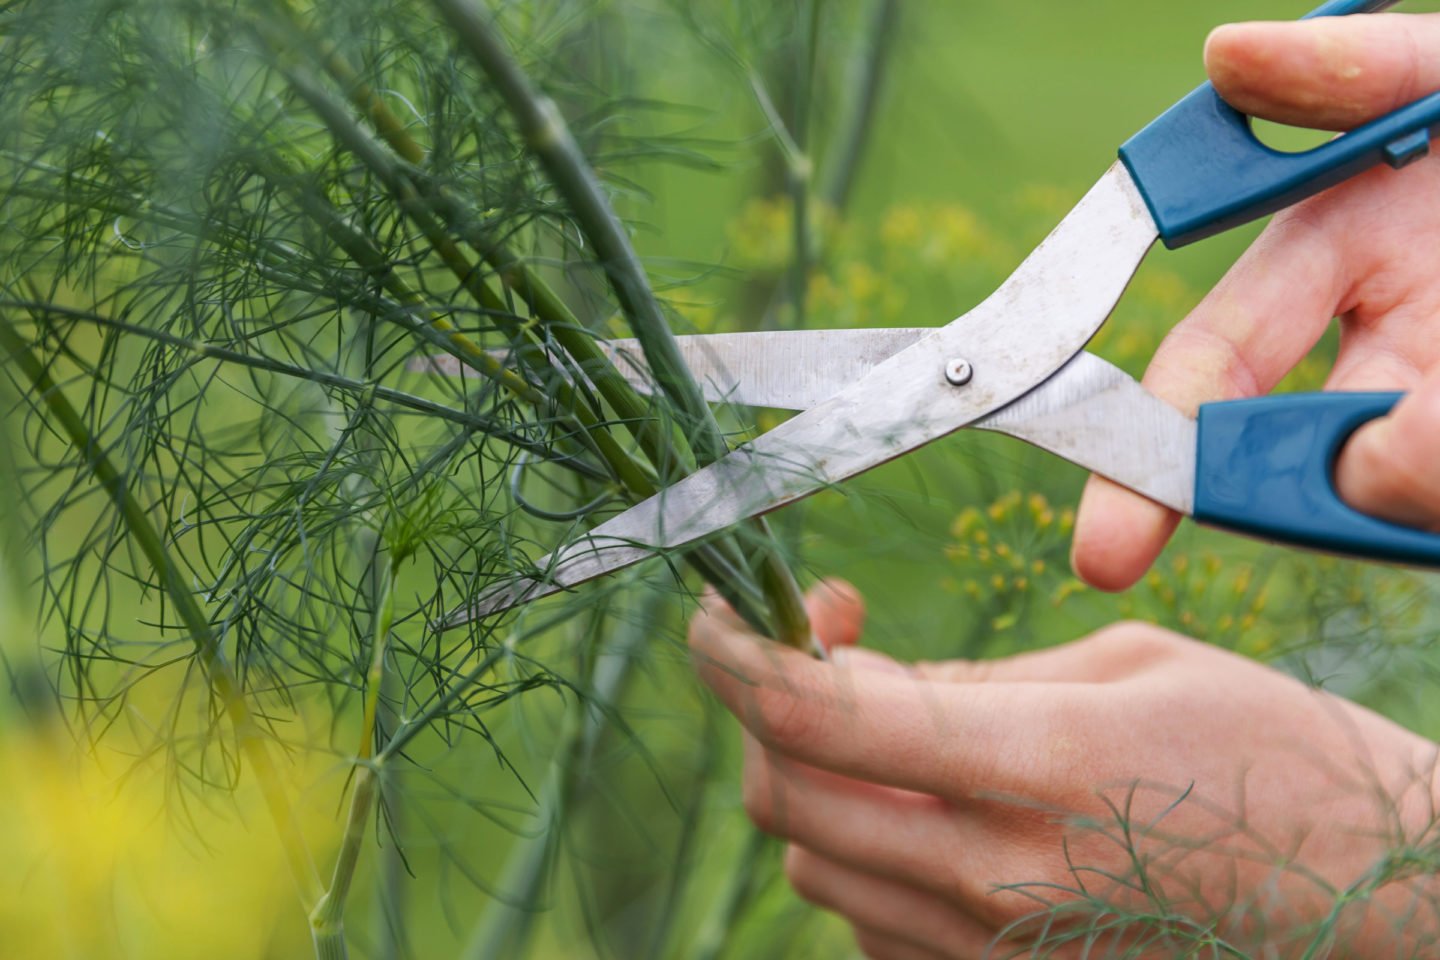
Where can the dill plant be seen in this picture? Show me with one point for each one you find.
(230, 231)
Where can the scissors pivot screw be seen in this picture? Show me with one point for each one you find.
(958, 371)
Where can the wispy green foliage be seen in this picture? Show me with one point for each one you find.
(229, 230)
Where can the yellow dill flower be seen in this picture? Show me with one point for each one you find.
(901, 227)
(862, 283)
(821, 292)
(964, 522)
(761, 233)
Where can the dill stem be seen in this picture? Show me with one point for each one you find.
(506, 924)
(625, 469)
(324, 378)
(549, 138)
(218, 673)
(848, 149)
(777, 582)
(798, 173)
(549, 308)
(327, 919)
(715, 930)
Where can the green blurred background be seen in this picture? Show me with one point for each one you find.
(993, 118)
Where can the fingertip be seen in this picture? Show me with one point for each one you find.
(837, 612)
(1118, 535)
(837, 589)
(1323, 72)
(1276, 71)
(1226, 50)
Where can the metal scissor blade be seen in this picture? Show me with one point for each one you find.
(1036, 322)
(1096, 416)
(786, 369)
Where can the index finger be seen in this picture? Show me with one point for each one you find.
(900, 730)
(1258, 322)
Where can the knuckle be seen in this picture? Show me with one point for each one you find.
(758, 799)
(872, 945)
(1197, 363)
(1134, 641)
(981, 884)
(802, 869)
(703, 629)
(786, 717)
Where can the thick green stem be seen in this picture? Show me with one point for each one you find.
(327, 919)
(848, 149)
(549, 138)
(554, 315)
(798, 174)
(209, 653)
(421, 201)
(506, 924)
(715, 932)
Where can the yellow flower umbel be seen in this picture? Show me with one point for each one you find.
(1197, 593)
(1010, 553)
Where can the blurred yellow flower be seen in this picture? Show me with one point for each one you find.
(103, 858)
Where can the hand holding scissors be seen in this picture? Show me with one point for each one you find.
(1017, 364)
(912, 794)
(1364, 251)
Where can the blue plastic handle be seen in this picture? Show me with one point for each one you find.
(1266, 466)
(1202, 170)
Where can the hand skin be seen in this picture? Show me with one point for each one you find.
(1365, 251)
(909, 793)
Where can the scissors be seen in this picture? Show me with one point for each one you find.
(1017, 364)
